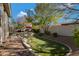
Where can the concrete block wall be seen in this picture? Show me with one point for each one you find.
(65, 30)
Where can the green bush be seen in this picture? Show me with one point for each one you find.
(76, 37)
(47, 32)
(55, 35)
(36, 30)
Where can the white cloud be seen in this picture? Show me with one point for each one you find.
(21, 14)
(70, 5)
(33, 11)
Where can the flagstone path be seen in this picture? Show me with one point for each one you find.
(13, 47)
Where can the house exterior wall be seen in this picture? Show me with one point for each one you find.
(4, 24)
(65, 30)
(2, 36)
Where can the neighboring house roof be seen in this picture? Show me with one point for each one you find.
(71, 23)
(64, 25)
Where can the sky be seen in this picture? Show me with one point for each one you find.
(74, 15)
(18, 9)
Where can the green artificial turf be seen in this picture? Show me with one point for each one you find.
(45, 47)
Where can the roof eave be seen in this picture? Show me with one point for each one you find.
(7, 8)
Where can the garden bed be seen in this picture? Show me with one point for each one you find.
(45, 47)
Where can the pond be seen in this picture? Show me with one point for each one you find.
(44, 47)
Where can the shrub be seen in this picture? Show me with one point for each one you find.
(55, 34)
(36, 30)
(47, 32)
(76, 37)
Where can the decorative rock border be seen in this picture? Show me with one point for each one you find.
(27, 46)
(70, 50)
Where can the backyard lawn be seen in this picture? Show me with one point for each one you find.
(45, 47)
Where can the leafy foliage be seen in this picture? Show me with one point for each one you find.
(76, 37)
(19, 26)
(47, 13)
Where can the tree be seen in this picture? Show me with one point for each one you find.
(47, 13)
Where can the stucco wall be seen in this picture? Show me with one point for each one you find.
(6, 28)
(4, 24)
(65, 30)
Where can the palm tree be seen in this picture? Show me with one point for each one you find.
(48, 13)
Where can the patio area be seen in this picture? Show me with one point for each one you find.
(14, 47)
